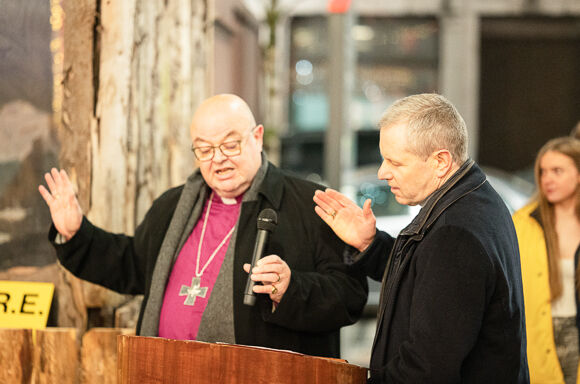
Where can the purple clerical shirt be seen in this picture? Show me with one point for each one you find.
(184, 301)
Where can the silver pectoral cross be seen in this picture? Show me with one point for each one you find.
(192, 292)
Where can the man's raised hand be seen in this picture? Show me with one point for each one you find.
(354, 226)
(60, 197)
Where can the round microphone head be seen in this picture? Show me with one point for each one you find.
(267, 219)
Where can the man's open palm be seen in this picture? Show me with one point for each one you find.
(65, 209)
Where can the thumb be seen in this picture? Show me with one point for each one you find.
(367, 211)
(247, 268)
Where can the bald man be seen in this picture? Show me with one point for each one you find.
(190, 256)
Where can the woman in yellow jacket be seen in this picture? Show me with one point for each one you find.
(548, 232)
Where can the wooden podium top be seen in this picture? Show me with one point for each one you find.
(156, 360)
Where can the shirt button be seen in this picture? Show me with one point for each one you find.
(539, 274)
(548, 350)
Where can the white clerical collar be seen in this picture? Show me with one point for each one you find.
(228, 200)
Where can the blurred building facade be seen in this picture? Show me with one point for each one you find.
(510, 66)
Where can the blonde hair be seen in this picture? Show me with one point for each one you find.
(570, 147)
(433, 123)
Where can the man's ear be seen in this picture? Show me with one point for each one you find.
(443, 162)
(258, 134)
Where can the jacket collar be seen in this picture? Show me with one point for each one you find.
(535, 214)
(268, 182)
(272, 187)
(465, 180)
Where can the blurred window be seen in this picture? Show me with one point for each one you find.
(396, 57)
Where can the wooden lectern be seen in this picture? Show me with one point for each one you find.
(155, 360)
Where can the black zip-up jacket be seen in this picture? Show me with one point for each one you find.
(451, 307)
(324, 294)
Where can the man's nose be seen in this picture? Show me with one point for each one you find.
(218, 155)
(384, 172)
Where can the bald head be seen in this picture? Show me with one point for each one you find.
(226, 138)
(222, 112)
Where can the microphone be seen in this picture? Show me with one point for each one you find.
(267, 221)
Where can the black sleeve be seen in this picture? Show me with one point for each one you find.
(116, 261)
(373, 260)
(102, 258)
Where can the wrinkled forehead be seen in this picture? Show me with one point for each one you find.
(218, 133)
(214, 128)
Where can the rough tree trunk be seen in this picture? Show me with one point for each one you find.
(132, 74)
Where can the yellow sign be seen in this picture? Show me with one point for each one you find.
(25, 304)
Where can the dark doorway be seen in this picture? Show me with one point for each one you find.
(529, 87)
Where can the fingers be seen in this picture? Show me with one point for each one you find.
(66, 183)
(274, 274)
(269, 269)
(329, 205)
(50, 182)
(326, 217)
(339, 198)
(56, 177)
(59, 185)
(58, 182)
(322, 200)
(267, 288)
(45, 195)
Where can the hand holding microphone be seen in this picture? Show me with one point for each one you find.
(271, 270)
(274, 274)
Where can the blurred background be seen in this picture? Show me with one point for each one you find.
(106, 90)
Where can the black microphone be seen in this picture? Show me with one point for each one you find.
(267, 221)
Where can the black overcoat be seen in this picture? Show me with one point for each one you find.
(451, 308)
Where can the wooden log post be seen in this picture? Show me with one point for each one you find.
(99, 355)
(15, 355)
(56, 356)
(133, 73)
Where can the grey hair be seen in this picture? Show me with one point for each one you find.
(433, 123)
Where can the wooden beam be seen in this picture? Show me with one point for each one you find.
(99, 355)
(15, 355)
(56, 356)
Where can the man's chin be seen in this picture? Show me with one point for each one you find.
(229, 192)
(401, 200)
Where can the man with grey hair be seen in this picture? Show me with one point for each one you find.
(451, 307)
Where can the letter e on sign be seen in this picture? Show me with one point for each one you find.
(25, 304)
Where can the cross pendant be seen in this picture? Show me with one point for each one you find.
(192, 292)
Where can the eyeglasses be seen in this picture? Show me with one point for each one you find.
(228, 148)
